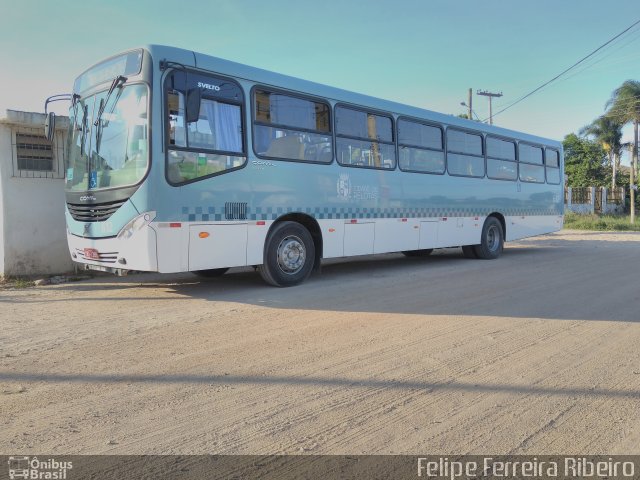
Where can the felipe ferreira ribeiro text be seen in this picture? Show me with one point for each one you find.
(578, 467)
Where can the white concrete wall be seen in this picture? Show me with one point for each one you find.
(35, 232)
(581, 208)
(5, 171)
(32, 225)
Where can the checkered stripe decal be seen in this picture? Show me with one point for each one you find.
(211, 214)
(202, 214)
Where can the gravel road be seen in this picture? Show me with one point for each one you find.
(537, 352)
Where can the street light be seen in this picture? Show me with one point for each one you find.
(464, 104)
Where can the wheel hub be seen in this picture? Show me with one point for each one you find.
(493, 238)
(291, 255)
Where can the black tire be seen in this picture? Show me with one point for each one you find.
(469, 251)
(418, 253)
(289, 255)
(211, 273)
(492, 240)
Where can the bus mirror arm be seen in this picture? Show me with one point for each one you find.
(193, 105)
(50, 120)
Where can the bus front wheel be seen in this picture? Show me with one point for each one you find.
(289, 254)
(492, 240)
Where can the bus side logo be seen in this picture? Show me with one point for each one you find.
(344, 185)
(208, 86)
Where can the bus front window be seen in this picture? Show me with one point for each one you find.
(115, 153)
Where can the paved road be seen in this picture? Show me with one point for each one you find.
(537, 352)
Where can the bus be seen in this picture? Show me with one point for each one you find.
(182, 162)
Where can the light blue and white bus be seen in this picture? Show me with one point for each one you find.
(183, 162)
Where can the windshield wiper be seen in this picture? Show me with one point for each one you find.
(84, 128)
(117, 82)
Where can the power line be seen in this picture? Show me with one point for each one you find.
(606, 53)
(567, 69)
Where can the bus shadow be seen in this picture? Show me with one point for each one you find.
(313, 381)
(546, 278)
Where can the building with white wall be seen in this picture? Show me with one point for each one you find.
(32, 224)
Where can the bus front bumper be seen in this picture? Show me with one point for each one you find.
(116, 255)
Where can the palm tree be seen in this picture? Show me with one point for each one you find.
(607, 132)
(624, 107)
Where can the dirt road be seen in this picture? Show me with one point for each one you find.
(538, 352)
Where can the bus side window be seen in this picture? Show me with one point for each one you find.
(288, 146)
(290, 127)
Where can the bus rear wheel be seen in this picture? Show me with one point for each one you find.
(492, 240)
(289, 255)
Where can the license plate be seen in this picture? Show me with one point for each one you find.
(98, 268)
(91, 254)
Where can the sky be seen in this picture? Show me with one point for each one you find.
(425, 53)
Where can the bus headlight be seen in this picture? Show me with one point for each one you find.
(136, 224)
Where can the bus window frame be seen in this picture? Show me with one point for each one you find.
(515, 152)
(447, 151)
(534, 145)
(555, 168)
(372, 111)
(165, 126)
(301, 96)
(426, 123)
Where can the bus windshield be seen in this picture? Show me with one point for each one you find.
(110, 150)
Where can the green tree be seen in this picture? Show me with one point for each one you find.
(624, 107)
(608, 133)
(585, 162)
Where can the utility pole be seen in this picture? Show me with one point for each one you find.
(469, 103)
(486, 93)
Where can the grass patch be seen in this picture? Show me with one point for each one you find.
(602, 223)
(15, 282)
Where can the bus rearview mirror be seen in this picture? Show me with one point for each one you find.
(193, 105)
(50, 126)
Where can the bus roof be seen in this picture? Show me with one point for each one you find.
(268, 78)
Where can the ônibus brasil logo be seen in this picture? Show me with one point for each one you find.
(33, 468)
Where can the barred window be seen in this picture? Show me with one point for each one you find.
(34, 152)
